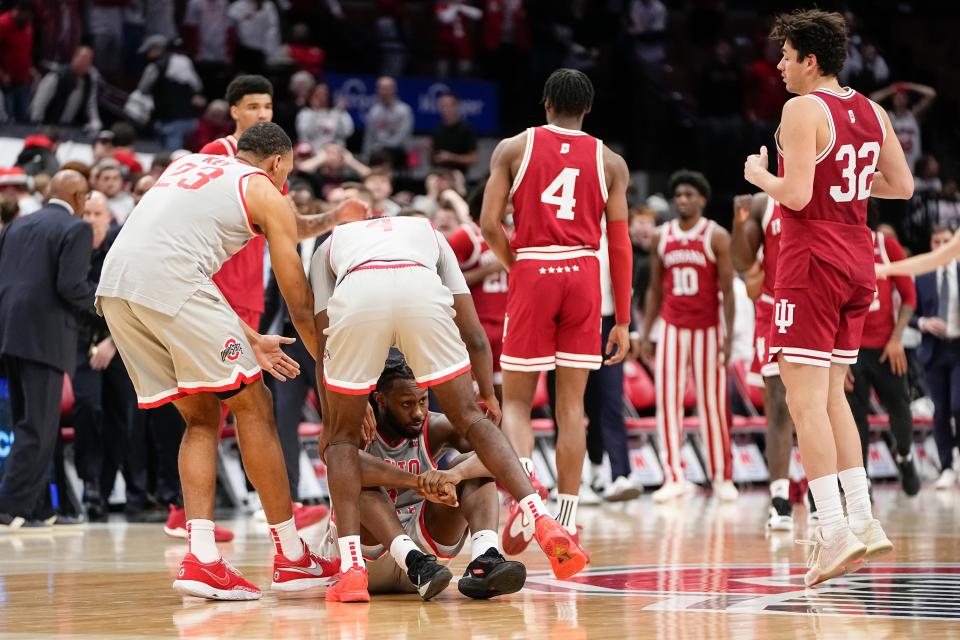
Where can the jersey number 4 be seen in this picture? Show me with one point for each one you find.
(560, 193)
(857, 186)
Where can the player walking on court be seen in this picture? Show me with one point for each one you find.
(560, 181)
(836, 148)
(690, 273)
(757, 224)
(395, 282)
(182, 343)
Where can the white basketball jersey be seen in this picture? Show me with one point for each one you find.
(385, 241)
(181, 233)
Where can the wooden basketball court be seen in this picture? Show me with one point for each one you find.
(690, 570)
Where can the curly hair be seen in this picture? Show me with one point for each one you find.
(246, 85)
(265, 139)
(395, 368)
(812, 31)
(569, 92)
(693, 178)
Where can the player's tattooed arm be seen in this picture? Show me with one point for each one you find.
(495, 195)
(311, 226)
(747, 230)
(654, 299)
(720, 242)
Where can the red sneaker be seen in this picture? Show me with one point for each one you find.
(566, 557)
(539, 488)
(309, 571)
(351, 587)
(176, 526)
(518, 531)
(576, 538)
(213, 580)
(304, 516)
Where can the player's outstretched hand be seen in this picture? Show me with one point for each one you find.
(619, 339)
(351, 210)
(494, 414)
(755, 166)
(273, 360)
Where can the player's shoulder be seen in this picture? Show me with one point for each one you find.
(217, 147)
(509, 147)
(613, 161)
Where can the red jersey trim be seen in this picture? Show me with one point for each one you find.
(349, 388)
(566, 132)
(600, 171)
(767, 214)
(376, 264)
(883, 126)
(833, 132)
(239, 377)
(243, 200)
(845, 95)
(527, 151)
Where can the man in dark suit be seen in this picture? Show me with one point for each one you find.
(44, 261)
(938, 317)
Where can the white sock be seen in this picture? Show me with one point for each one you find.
(482, 541)
(826, 493)
(200, 541)
(780, 489)
(533, 507)
(856, 489)
(400, 547)
(567, 511)
(350, 553)
(287, 540)
(527, 465)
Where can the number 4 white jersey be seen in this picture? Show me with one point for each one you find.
(559, 194)
(180, 233)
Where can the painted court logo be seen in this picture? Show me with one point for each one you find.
(231, 350)
(784, 315)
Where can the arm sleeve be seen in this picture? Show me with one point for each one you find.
(462, 244)
(448, 268)
(903, 284)
(214, 148)
(322, 279)
(621, 267)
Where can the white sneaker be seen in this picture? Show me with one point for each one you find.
(589, 497)
(780, 515)
(947, 480)
(673, 490)
(830, 556)
(874, 538)
(622, 489)
(259, 516)
(597, 480)
(726, 491)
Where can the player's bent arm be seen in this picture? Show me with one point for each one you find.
(798, 137)
(271, 212)
(495, 196)
(475, 339)
(925, 262)
(748, 234)
(619, 248)
(314, 225)
(893, 179)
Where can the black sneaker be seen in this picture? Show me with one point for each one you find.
(492, 575)
(908, 474)
(426, 574)
(780, 515)
(813, 518)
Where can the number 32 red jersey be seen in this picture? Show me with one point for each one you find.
(559, 194)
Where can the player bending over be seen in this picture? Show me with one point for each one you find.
(402, 522)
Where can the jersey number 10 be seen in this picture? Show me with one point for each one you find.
(560, 193)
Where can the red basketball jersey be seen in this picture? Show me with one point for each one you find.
(559, 195)
(691, 291)
(772, 225)
(833, 225)
(490, 294)
(882, 318)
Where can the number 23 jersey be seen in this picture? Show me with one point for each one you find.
(559, 194)
(691, 294)
(832, 227)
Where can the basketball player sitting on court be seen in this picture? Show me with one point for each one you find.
(395, 282)
(836, 149)
(403, 523)
(181, 342)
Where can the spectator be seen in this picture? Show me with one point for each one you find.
(454, 142)
(380, 185)
(391, 36)
(209, 34)
(68, 95)
(124, 138)
(39, 154)
(215, 123)
(16, 62)
(9, 210)
(61, 29)
(318, 124)
(104, 396)
(297, 97)
(938, 318)
(905, 118)
(437, 184)
(106, 28)
(948, 205)
(144, 184)
(388, 124)
(15, 184)
(926, 176)
(109, 180)
(258, 33)
(874, 73)
(647, 25)
(159, 18)
(643, 223)
(43, 286)
(174, 84)
(454, 38)
(305, 55)
(445, 220)
(103, 145)
(327, 168)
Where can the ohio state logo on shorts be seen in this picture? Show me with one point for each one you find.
(231, 350)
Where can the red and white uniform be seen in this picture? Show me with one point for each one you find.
(825, 275)
(489, 295)
(772, 226)
(553, 300)
(882, 317)
(241, 277)
(692, 333)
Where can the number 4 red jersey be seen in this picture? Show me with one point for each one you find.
(559, 194)
(833, 225)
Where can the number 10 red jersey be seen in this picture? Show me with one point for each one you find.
(559, 195)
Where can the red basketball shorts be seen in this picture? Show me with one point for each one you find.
(820, 322)
(553, 315)
(760, 368)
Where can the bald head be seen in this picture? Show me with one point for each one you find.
(71, 187)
